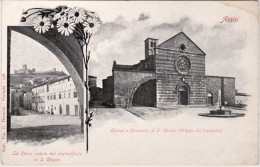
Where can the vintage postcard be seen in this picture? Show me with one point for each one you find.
(129, 83)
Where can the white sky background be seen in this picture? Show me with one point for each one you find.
(25, 50)
(228, 46)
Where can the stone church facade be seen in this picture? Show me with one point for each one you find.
(172, 73)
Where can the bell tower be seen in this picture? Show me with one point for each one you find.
(150, 45)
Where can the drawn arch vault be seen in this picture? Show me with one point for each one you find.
(66, 49)
(137, 85)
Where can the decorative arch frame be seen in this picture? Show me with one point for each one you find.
(66, 49)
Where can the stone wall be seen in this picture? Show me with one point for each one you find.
(96, 94)
(213, 85)
(169, 78)
(165, 62)
(229, 90)
(167, 89)
(108, 91)
(225, 84)
(126, 83)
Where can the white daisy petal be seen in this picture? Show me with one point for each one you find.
(66, 26)
(41, 24)
(70, 30)
(77, 14)
(91, 26)
(67, 33)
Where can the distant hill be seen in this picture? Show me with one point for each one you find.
(26, 81)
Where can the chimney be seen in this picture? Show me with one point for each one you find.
(24, 67)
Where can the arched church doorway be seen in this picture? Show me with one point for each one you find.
(210, 99)
(145, 94)
(183, 93)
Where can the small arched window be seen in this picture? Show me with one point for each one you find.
(209, 94)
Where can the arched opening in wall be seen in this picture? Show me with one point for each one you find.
(145, 94)
(210, 99)
(183, 95)
(45, 64)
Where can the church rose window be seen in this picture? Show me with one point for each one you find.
(182, 47)
(182, 64)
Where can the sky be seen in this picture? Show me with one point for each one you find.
(125, 26)
(25, 50)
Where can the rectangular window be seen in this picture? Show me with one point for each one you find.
(59, 96)
(54, 96)
(76, 110)
(75, 94)
(69, 94)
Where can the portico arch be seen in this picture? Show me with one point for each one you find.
(137, 85)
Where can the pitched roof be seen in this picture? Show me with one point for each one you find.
(241, 94)
(91, 76)
(53, 81)
(176, 41)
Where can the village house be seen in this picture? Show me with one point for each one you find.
(58, 97)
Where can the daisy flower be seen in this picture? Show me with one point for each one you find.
(92, 25)
(77, 14)
(66, 26)
(41, 24)
(62, 13)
